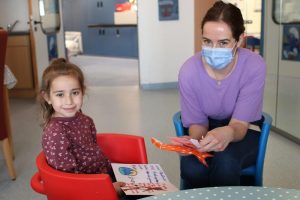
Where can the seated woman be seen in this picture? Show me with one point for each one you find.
(221, 92)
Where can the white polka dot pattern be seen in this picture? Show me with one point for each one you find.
(231, 193)
(70, 145)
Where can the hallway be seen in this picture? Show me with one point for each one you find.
(108, 71)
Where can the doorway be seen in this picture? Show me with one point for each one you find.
(96, 38)
(252, 14)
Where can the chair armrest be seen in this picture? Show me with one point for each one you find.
(37, 183)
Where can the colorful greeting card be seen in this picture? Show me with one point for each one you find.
(143, 179)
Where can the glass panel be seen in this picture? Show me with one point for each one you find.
(50, 16)
(284, 56)
(286, 11)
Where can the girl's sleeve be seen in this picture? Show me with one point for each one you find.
(93, 130)
(105, 164)
(56, 149)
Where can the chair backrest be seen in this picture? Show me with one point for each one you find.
(263, 140)
(123, 148)
(256, 170)
(178, 124)
(3, 42)
(58, 185)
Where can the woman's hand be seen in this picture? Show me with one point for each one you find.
(217, 139)
(180, 143)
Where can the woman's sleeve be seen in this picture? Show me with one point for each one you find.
(191, 112)
(56, 149)
(250, 100)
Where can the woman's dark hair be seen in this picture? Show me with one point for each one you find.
(227, 13)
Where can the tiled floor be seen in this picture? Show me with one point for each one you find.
(127, 109)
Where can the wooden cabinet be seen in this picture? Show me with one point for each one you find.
(18, 59)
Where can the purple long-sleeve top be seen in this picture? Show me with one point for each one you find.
(70, 145)
(238, 96)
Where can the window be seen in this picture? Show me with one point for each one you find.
(49, 13)
(286, 11)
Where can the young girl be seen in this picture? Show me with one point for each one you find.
(69, 136)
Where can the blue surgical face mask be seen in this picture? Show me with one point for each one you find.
(217, 58)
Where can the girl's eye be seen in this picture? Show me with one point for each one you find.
(59, 94)
(75, 93)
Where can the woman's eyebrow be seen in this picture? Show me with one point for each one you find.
(224, 40)
(206, 38)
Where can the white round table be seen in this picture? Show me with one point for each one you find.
(231, 193)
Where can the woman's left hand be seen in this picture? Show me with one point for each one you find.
(217, 139)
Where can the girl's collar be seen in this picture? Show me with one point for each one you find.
(66, 118)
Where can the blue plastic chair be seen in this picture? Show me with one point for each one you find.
(255, 171)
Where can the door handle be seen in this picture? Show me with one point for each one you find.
(36, 22)
(99, 4)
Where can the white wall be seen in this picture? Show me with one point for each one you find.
(164, 45)
(12, 10)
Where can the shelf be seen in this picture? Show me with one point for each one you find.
(110, 25)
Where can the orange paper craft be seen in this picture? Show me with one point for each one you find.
(182, 149)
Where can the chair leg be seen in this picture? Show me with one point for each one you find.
(7, 120)
(11, 148)
(8, 158)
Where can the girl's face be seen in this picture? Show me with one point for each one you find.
(217, 35)
(65, 96)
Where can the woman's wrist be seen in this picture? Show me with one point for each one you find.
(230, 132)
(197, 132)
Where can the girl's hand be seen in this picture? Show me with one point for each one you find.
(216, 139)
(117, 186)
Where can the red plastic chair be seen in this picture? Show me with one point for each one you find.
(4, 139)
(123, 148)
(58, 185)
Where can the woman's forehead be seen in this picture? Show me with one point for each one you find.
(217, 31)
